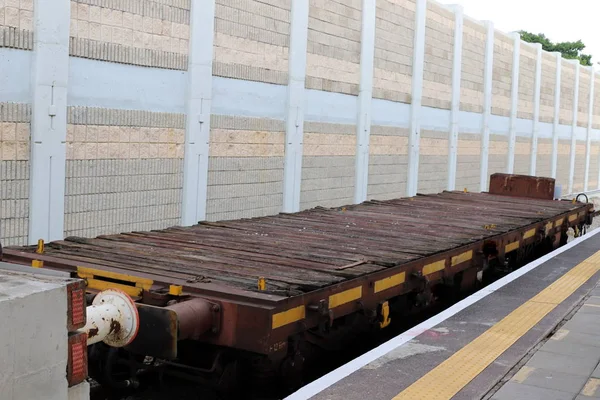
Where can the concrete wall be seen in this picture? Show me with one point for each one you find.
(138, 68)
(34, 351)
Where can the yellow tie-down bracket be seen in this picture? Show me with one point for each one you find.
(384, 315)
(98, 279)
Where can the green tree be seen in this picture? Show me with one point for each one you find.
(569, 50)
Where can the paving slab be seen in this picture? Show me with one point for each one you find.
(541, 377)
(563, 363)
(517, 391)
(590, 308)
(585, 339)
(577, 350)
(584, 323)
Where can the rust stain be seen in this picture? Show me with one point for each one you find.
(115, 327)
(92, 332)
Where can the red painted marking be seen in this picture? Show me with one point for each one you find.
(77, 307)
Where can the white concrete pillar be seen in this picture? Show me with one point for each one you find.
(574, 125)
(556, 122)
(488, 73)
(514, 103)
(363, 126)
(294, 128)
(198, 111)
(414, 134)
(536, 110)
(49, 78)
(588, 136)
(455, 107)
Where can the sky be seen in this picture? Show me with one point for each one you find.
(560, 20)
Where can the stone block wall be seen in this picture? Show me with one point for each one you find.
(502, 74)
(468, 162)
(328, 165)
(594, 165)
(439, 47)
(16, 24)
(394, 36)
(544, 158)
(153, 33)
(16, 32)
(548, 87)
(527, 65)
(579, 166)
(14, 172)
(562, 166)
(433, 162)
(567, 91)
(333, 59)
(252, 40)
(596, 111)
(584, 97)
(473, 66)
(498, 154)
(124, 171)
(388, 162)
(245, 171)
(522, 155)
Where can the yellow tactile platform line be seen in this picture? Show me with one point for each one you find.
(462, 367)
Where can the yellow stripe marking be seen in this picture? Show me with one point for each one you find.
(559, 222)
(461, 258)
(339, 299)
(448, 378)
(175, 290)
(560, 334)
(434, 267)
(523, 374)
(591, 387)
(288, 317)
(572, 217)
(98, 284)
(529, 234)
(94, 278)
(548, 227)
(389, 282)
(511, 247)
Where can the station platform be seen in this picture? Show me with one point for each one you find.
(534, 334)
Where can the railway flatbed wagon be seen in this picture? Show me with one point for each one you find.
(264, 289)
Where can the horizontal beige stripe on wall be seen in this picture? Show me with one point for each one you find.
(234, 143)
(90, 142)
(123, 151)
